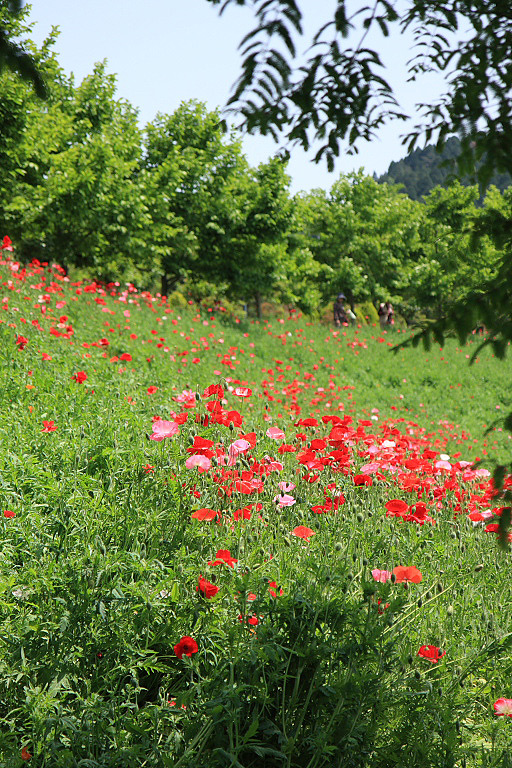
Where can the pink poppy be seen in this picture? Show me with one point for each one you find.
(242, 392)
(163, 429)
(503, 707)
(275, 433)
(381, 576)
(284, 501)
(203, 463)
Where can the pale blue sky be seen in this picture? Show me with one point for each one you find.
(167, 51)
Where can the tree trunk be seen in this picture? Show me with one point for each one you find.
(257, 298)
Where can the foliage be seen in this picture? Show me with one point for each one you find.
(296, 663)
(190, 173)
(17, 55)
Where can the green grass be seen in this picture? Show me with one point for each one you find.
(100, 566)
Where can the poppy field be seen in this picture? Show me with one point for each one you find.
(227, 542)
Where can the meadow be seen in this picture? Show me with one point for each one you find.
(227, 542)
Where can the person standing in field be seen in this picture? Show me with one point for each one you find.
(383, 314)
(340, 314)
(390, 313)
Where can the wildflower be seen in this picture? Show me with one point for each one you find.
(186, 647)
(275, 433)
(148, 469)
(204, 514)
(431, 652)
(79, 377)
(9, 514)
(163, 429)
(49, 426)
(407, 573)
(503, 707)
(21, 342)
(272, 588)
(381, 576)
(25, 754)
(223, 556)
(302, 532)
(152, 390)
(208, 589)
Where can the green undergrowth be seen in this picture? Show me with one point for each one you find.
(303, 659)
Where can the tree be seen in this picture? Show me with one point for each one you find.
(258, 259)
(190, 170)
(15, 56)
(77, 197)
(366, 232)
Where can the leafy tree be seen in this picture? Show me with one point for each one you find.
(18, 56)
(258, 258)
(190, 169)
(366, 232)
(78, 198)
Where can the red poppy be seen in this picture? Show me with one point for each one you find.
(25, 754)
(396, 508)
(223, 556)
(9, 513)
(214, 389)
(302, 532)
(208, 589)
(186, 647)
(363, 480)
(152, 390)
(407, 573)
(79, 377)
(49, 426)
(205, 514)
(21, 342)
(431, 652)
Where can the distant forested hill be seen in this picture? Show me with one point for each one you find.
(423, 169)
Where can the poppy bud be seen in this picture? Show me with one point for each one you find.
(417, 675)
(420, 603)
(365, 561)
(409, 659)
(198, 397)
(449, 610)
(393, 578)
(360, 518)
(338, 546)
(439, 587)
